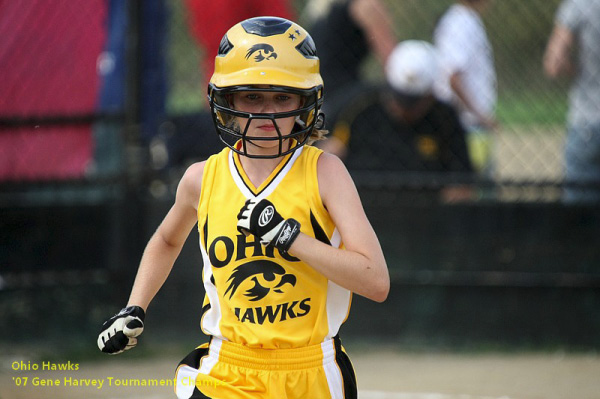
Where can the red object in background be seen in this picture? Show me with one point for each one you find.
(48, 55)
(209, 20)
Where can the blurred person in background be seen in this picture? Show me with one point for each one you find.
(577, 26)
(402, 127)
(347, 32)
(468, 76)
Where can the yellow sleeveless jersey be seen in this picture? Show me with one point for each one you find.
(255, 295)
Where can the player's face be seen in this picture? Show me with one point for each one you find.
(266, 102)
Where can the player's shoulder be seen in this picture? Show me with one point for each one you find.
(328, 161)
(330, 170)
(336, 185)
(192, 178)
(195, 170)
(191, 181)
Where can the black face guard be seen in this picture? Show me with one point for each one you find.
(223, 115)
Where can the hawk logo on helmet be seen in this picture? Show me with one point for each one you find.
(265, 52)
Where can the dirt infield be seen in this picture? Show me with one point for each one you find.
(382, 374)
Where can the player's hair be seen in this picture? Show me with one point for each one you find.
(317, 135)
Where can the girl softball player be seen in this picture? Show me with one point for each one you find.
(283, 235)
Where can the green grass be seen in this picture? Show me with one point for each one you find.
(540, 107)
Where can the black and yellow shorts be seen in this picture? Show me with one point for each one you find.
(225, 370)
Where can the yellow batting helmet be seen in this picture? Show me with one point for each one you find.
(266, 54)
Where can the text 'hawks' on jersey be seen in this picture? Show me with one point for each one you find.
(255, 295)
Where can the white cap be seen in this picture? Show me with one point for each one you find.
(412, 67)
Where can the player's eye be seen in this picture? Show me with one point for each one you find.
(289, 101)
(283, 98)
(252, 97)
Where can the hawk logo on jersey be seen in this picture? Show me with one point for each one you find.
(265, 52)
(257, 279)
(252, 270)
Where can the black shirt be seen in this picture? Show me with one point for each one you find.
(377, 141)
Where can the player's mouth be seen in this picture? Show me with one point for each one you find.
(267, 127)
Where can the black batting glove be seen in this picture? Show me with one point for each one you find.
(120, 332)
(262, 220)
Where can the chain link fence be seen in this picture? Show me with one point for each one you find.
(118, 89)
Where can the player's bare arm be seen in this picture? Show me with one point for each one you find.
(166, 243)
(361, 266)
(121, 332)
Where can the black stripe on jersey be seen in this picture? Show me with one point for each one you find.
(348, 376)
(204, 310)
(318, 230)
(205, 232)
(272, 180)
(193, 360)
